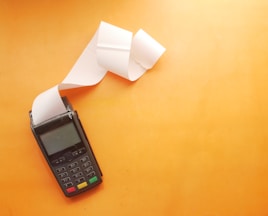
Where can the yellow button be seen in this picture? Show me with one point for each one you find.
(82, 185)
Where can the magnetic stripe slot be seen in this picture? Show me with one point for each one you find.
(111, 49)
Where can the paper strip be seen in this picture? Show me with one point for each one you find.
(111, 49)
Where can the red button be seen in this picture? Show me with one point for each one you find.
(71, 189)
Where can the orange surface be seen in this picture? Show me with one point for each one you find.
(188, 138)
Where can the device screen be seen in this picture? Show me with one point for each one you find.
(60, 138)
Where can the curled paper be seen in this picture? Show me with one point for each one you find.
(111, 49)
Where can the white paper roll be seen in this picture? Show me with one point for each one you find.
(111, 49)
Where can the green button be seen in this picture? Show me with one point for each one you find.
(93, 179)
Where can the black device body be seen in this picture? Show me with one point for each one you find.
(67, 150)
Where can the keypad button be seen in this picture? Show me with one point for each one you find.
(84, 159)
(64, 180)
(82, 185)
(75, 153)
(88, 163)
(93, 179)
(71, 190)
(60, 169)
(72, 165)
(62, 175)
(75, 170)
(77, 181)
(89, 169)
(55, 162)
(91, 174)
(78, 175)
(82, 179)
(81, 150)
(61, 159)
(69, 184)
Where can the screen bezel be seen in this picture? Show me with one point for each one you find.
(61, 138)
(54, 124)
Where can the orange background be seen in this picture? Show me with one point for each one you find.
(190, 137)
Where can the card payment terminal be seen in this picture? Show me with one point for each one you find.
(67, 150)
